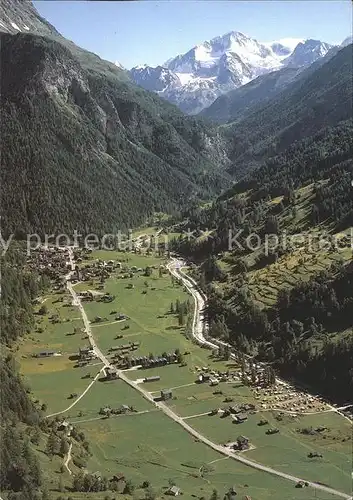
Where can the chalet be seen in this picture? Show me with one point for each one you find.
(152, 379)
(242, 443)
(118, 477)
(234, 409)
(173, 491)
(65, 426)
(166, 394)
(86, 295)
(248, 407)
(240, 418)
(203, 377)
(111, 373)
(85, 352)
(213, 381)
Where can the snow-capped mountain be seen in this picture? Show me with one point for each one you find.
(347, 41)
(21, 17)
(284, 47)
(195, 79)
(156, 79)
(307, 52)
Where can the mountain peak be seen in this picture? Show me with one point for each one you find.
(214, 67)
(307, 52)
(347, 41)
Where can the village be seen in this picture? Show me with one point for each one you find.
(236, 391)
(268, 393)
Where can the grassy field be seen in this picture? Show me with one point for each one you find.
(298, 265)
(288, 271)
(152, 446)
(149, 445)
(54, 379)
(288, 450)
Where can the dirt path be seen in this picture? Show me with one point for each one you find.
(78, 399)
(197, 415)
(107, 324)
(68, 458)
(113, 416)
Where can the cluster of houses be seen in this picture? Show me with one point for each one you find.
(152, 362)
(205, 374)
(85, 355)
(103, 269)
(52, 260)
(238, 413)
(119, 356)
(131, 346)
(97, 269)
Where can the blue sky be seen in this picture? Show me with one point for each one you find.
(151, 32)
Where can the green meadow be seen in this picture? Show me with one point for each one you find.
(147, 444)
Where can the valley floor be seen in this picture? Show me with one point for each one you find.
(146, 444)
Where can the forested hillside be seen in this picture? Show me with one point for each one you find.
(291, 303)
(236, 103)
(20, 472)
(84, 150)
(320, 99)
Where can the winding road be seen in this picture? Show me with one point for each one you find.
(198, 328)
(197, 331)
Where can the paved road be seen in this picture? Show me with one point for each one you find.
(197, 331)
(200, 325)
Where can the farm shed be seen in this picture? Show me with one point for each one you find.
(173, 491)
(152, 379)
(45, 354)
